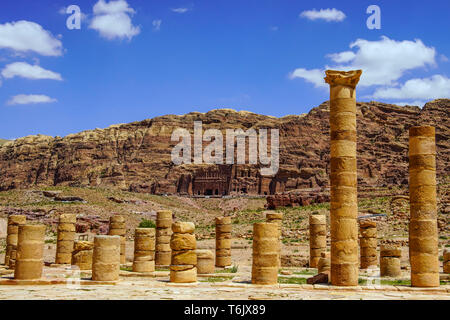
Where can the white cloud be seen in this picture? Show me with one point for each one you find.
(324, 14)
(418, 103)
(342, 57)
(314, 76)
(383, 62)
(112, 20)
(25, 70)
(435, 87)
(180, 10)
(23, 36)
(274, 28)
(156, 25)
(30, 99)
(443, 58)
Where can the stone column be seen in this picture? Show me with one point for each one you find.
(317, 238)
(205, 261)
(265, 253)
(390, 261)
(163, 233)
(343, 177)
(144, 250)
(117, 227)
(14, 221)
(106, 258)
(183, 266)
(423, 231)
(65, 238)
(277, 218)
(223, 241)
(368, 244)
(446, 266)
(82, 254)
(30, 252)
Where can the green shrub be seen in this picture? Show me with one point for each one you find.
(147, 224)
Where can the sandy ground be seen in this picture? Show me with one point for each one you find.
(237, 287)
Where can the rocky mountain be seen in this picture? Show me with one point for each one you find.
(3, 141)
(137, 156)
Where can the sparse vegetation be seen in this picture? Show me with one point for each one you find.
(216, 279)
(233, 269)
(147, 224)
(292, 280)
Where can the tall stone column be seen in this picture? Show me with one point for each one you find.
(65, 238)
(106, 258)
(423, 230)
(277, 218)
(368, 244)
(144, 250)
(343, 177)
(163, 234)
(266, 253)
(117, 227)
(317, 238)
(14, 221)
(30, 252)
(223, 241)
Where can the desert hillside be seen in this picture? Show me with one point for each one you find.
(137, 156)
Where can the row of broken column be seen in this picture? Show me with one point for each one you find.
(170, 244)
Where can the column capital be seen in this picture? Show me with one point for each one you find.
(343, 78)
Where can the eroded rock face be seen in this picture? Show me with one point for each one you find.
(137, 156)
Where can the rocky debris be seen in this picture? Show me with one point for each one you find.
(294, 260)
(137, 156)
(395, 242)
(135, 202)
(92, 223)
(286, 272)
(51, 194)
(318, 278)
(69, 199)
(40, 215)
(297, 198)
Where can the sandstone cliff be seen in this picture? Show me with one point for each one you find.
(137, 156)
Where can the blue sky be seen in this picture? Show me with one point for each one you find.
(138, 59)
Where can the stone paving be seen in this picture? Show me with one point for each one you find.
(156, 287)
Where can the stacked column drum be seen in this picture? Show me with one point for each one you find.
(390, 261)
(117, 227)
(343, 177)
(183, 267)
(205, 261)
(144, 250)
(65, 238)
(368, 244)
(14, 221)
(266, 251)
(223, 241)
(82, 254)
(106, 258)
(277, 218)
(317, 238)
(163, 234)
(30, 252)
(423, 230)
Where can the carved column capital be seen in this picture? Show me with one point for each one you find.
(343, 78)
